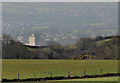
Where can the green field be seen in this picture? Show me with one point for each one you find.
(95, 79)
(89, 80)
(42, 68)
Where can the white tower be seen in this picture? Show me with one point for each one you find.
(32, 40)
(92, 35)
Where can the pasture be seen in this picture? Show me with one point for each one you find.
(89, 80)
(95, 79)
(43, 68)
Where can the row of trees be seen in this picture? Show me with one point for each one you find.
(12, 49)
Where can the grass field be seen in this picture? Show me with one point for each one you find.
(89, 80)
(43, 68)
(95, 79)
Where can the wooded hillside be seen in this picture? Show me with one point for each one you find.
(99, 48)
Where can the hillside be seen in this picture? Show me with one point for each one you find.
(65, 22)
(97, 48)
(109, 49)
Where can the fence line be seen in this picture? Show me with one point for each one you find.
(50, 74)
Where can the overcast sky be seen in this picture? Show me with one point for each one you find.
(60, 0)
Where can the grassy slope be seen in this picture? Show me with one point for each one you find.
(103, 41)
(26, 68)
(70, 46)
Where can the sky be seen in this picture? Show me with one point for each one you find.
(60, 0)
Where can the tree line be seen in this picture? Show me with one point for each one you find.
(99, 48)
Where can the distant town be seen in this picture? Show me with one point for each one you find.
(61, 23)
(60, 36)
(32, 39)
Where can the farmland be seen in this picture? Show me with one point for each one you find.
(43, 68)
(89, 80)
(95, 79)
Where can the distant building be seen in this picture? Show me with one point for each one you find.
(20, 38)
(31, 40)
(93, 35)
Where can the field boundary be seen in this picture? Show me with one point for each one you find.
(61, 78)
